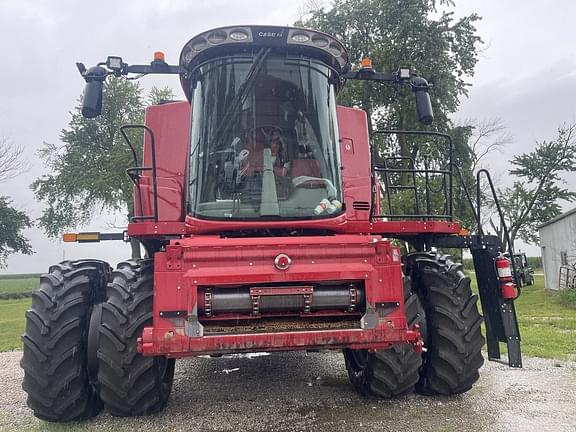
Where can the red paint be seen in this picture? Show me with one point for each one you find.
(154, 341)
(356, 171)
(170, 123)
(282, 290)
(190, 264)
(197, 257)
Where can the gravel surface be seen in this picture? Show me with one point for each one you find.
(302, 392)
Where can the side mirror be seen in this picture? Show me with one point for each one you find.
(424, 107)
(92, 100)
(423, 104)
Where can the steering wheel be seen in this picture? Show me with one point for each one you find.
(267, 129)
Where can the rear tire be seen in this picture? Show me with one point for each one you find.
(131, 384)
(55, 358)
(391, 372)
(454, 340)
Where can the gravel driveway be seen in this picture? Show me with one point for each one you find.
(300, 392)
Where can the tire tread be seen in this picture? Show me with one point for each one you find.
(130, 384)
(55, 357)
(453, 355)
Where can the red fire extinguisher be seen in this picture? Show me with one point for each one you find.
(505, 278)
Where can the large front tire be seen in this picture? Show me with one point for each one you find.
(391, 372)
(454, 340)
(131, 384)
(55, 358)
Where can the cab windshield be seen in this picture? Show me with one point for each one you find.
(264, 139)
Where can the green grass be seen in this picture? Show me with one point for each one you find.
(547, 327)
(12, 323)
(568, 298)
(20, 276)
(18, 285)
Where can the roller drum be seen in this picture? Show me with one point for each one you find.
(238, 300)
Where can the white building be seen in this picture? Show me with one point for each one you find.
(558, 244)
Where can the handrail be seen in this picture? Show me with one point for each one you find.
(449, 209)
(468, 197)
(502, 221)
(134, 172)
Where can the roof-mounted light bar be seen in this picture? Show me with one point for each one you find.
(272, 36)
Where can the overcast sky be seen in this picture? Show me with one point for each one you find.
(526, 75)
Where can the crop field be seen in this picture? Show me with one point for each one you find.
(18, 287)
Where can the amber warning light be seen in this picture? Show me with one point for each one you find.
(366, 64)
(69, 237)
(84, 237)
(92, 237)
(159, 56)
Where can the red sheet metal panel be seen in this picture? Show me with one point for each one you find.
(191, 264)
(170, 123)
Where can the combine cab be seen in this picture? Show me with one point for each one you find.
(271, 225)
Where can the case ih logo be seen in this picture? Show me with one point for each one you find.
(270, 34)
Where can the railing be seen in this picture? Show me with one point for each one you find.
(406, 183)
(411, 183)
(135, 172)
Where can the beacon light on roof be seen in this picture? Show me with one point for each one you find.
(366, 63)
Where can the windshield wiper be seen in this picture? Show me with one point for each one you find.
(240, 97)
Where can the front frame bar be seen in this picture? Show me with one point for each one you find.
(174, 345)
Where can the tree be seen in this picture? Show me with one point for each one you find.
(474, 140)
(536, 194)
(11, 161)
(88, 170)
(12, 221)
(486, 136)
(399, 33)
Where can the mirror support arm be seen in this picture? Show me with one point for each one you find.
(420, 87)
(95, 77)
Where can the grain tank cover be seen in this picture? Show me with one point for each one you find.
(226, 41)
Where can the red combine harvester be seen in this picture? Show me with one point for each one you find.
(272, 224)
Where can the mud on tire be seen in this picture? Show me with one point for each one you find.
(454, 340)
(130, 384)
(55, 359)
(392, 372)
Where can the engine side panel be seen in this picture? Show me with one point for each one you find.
(356, 163)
